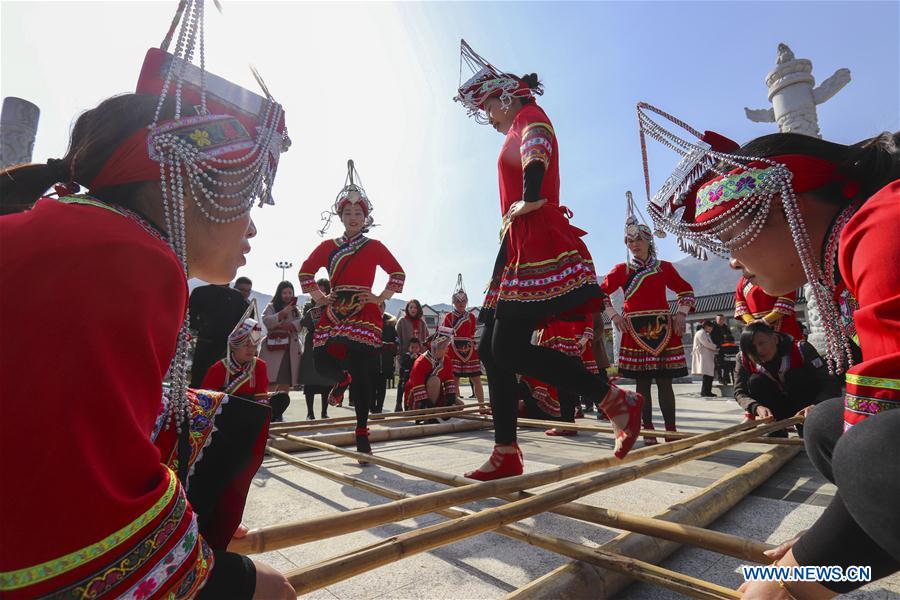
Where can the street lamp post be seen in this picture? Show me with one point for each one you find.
(283, 264)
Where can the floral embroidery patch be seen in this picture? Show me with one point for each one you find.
(733, 187)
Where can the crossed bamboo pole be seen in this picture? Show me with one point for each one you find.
(339, 568)
(397, 417)
(289, 534)
(683, 584)
(677, 435)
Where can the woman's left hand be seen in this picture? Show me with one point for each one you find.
(804, 412)
(521, 207)
(678, 323)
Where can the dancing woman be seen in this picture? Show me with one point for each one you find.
(651, 336)
(170, 197)
(543, 269)
(347, 340)
(463, 352)
(790, 209)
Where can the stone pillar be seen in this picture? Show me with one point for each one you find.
(794, 101)
(18, 127)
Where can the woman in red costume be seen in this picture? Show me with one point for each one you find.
(790, 209)
(751, 304)
(651, 336)
(463, 352)
(241, 372)
(543, 269)
(347, 342)
(97, 511)
(431, 382)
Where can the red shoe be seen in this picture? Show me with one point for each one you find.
(621, 405)
(561, 432)
(506, 464)
(362, 442)
(671, 439)
(336, 395)
(649, 441)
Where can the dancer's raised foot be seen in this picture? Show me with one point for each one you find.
(624, 411)
(336, 395)
(505, 461)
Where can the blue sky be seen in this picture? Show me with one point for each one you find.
(373, 82)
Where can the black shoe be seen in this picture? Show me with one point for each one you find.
(324, 415)
(310, 417)
(398, 408)
(777, 434)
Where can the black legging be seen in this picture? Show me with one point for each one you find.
(861, 526)
(505, 350)
(665, 396)
(361, 364)
(310, 391)
(379, 391)
(567, 404)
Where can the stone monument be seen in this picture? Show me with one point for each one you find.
(18, 128)
(794, 101)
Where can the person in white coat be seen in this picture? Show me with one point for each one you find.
(281, 348)
(703, 358)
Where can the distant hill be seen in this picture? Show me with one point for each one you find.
(708, 276)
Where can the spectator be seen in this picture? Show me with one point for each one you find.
(703, 358)
(214, 312)
(410, 325)
(313, 381)
(244, 286)
(779, 376)
(281, 348)
(413, 350)
(385, 371)
(721, 332)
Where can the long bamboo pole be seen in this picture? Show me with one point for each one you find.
(330, 571)
(288, 534)
(645, 571)
(289, 426)
(678, 435)
(552, 475)
(347, 438)
(444, 412)
(580, 580)
(299, 532)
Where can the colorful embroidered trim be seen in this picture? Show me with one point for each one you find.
(345, 249)
(638, 278)
(11, 580)
(884, 383)
(396, 282)
(212, 135)
(732, 187)
(307, 282)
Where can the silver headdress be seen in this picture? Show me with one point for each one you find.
(486, 81)
(247, 331)
(459, 293)
(719, 201)
(352, 193)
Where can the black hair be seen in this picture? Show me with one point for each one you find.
(277, 303)
(873, 162)
(708, 323)
(746, 343)
(324, 285)
(534, 84)
(414, 340)
(97, 133)
(720, 315)
(242, 280)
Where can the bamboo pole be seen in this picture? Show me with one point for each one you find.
(444, 412)
(578, 579)
(679, 435)
(680, 583)
(283, 535)
(288, 426)
(339, 568)
(348, 438)
(299, 532)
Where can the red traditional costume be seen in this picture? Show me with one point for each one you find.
(425, 367)
(539, 400)
(251, 382)
(97, 466)
(463, 352)
(543, 268)
(97, 510)
(751, 303)
(350, 323)
(649, 346)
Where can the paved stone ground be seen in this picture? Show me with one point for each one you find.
(490, 565)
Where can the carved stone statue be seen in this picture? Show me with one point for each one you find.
(793, 96)
(18, 127)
